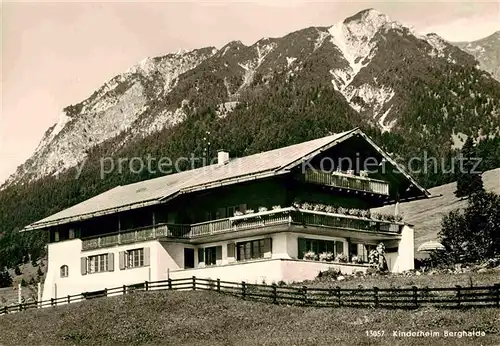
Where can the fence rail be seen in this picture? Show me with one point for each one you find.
(391, 298)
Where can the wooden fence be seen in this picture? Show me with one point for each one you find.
(392, 298)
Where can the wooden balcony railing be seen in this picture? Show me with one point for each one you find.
(244, 222)
(346, 181)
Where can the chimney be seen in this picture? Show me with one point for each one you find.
(222, 157)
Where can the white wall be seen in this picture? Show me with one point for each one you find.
(266, 270)
(69, 252)
(405, 255)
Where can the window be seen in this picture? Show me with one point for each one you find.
(64, 271)
(134, 258)
(97, 264)
(210, 255)
(253, 249)
(319, 246)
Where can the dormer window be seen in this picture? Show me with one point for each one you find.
(64, 271)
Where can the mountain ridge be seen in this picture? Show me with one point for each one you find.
(160, 92)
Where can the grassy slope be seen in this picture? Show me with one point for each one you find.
(427, 214)
(188, 318)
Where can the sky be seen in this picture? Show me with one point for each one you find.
(54, 54)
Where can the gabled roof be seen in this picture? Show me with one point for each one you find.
(158, 190)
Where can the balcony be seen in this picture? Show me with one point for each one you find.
(284, 216)
(347, 181)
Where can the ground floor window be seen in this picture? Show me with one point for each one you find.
(253, 249)
(135, 258)
(97, 264)
(210, 255)
(319, 246)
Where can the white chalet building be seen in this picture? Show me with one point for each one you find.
(265, 217)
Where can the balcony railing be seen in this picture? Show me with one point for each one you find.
(347, 181)
(283, 216)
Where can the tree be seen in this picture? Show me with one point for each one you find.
(17, 270)
(5, 279)
(472, 235)
(469, 180)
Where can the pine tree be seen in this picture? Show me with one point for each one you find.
(5, 279)
(469, 180)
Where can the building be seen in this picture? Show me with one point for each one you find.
(281, 215)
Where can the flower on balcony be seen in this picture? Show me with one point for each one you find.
(238, 213)
(363, 174)
(330, 209)
(342, 210)
(356, 259)
(262, 209)
(341, 258)
(354, 212)
(326, 256)
(399, 218)
(249, 211)
(276, 207)
(319, 207)
(306, 206)
(365, 213)
(310, 255)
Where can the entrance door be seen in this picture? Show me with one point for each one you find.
(188, 258)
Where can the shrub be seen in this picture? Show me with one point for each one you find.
(356, 259)
(331, 273)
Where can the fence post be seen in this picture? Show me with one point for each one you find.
(275, 294)
(458, 295)
(194, 283)
(338, 295)
(69, 299)
(304, 292)
(51, 301)
(243, 289)
(169, 283)
(5, 310)
(218, 285)
(497, 295)
(375, 293)
(415, 296)
(105, 292)
(146, 285)
(124, 289)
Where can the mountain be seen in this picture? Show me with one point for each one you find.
(417, 96)
(486, 51)
(400, 82)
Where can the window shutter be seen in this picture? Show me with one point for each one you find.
(302, 247)
(218, 253)
(339, 247)
(268, 247)
(111, 262)
(121, 260)
(147, 256)
(83, 265)
(230, 249)
(201, 253)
